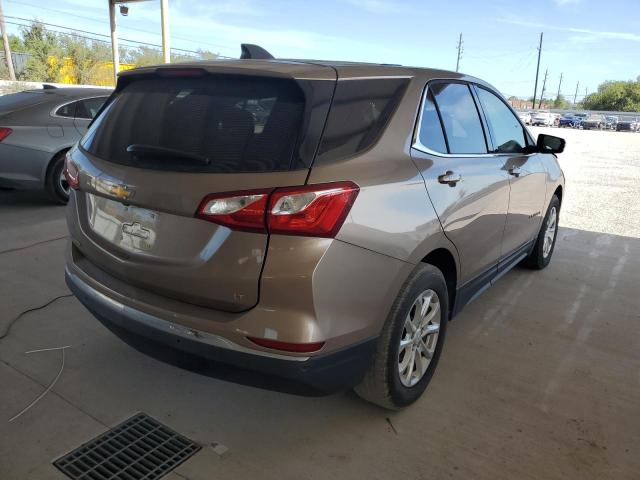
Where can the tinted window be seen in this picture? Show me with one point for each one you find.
(359, 113)
(430, 134)
(506, 131)
(68, 110)
(460, 118)
(223, 123)
(88, 108)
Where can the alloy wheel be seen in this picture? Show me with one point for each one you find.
(419, 338)
(550, 232)
(62, 183)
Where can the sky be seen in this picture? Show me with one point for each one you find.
(588, 41)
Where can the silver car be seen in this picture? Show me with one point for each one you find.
(37, 127)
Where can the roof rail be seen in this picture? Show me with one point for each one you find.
(256, 52)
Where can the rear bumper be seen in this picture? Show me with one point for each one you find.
(336, 371)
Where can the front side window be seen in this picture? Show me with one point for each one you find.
(506, 131)
(430, 134)
(460, 118)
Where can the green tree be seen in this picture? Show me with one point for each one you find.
(40, 45)
(560, 102)
(620, 96)
(83, 57)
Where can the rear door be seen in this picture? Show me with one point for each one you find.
(526, 172)
(468, 187)
(142, 177)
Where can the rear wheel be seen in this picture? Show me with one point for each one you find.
(546, 241)
(56, 184)
(409, 346)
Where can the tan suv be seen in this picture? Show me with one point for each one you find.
(317, 221)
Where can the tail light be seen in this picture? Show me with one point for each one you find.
(286, 346)
(236, 210)
(311, 210)
(5, 132)
(71, 173)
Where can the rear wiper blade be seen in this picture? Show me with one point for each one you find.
(164, 152)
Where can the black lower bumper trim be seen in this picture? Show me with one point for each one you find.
(322, 374)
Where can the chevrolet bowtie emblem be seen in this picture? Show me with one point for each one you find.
(120, 191)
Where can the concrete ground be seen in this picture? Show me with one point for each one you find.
(539, 378)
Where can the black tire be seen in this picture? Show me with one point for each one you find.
(382, 384)
(537, 260)
(52, 183)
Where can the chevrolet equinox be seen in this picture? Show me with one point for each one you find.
(311, 220)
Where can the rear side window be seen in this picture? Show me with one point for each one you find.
(219, 123)
(460, 118)
(68, 110)
(359, 113)
(88, 108)
(430, 134)
(506, 131)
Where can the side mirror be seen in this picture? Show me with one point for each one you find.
(550, 144)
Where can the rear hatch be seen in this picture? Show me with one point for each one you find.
(171, 136)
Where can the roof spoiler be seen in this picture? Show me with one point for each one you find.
(256, 52)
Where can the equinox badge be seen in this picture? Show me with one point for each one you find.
(136, 230)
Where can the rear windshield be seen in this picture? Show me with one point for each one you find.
(217, 123)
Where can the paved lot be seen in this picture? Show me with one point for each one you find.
(539, 378)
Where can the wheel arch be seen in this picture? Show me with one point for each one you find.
(558, 193)
(51, 161)
(445, 261)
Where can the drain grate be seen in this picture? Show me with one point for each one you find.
(139, 448)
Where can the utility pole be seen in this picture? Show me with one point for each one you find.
(535, 89)
(575, 96)
(164, 14)
(559, 86)
(164, 20)
(544, 84)
(460, 50)
(114, 40)
(7, 49)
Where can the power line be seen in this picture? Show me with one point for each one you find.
(75, 30)
(94, 19)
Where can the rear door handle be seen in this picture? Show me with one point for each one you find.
(450, 178)
(515, 171)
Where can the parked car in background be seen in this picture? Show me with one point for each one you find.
(525, 117)
(628, 124)
(566, 120)
(556, 120)
(611, 121)
(578, 118)
(37, 127)
(542, 118)
(308, 242)
(594, 121)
